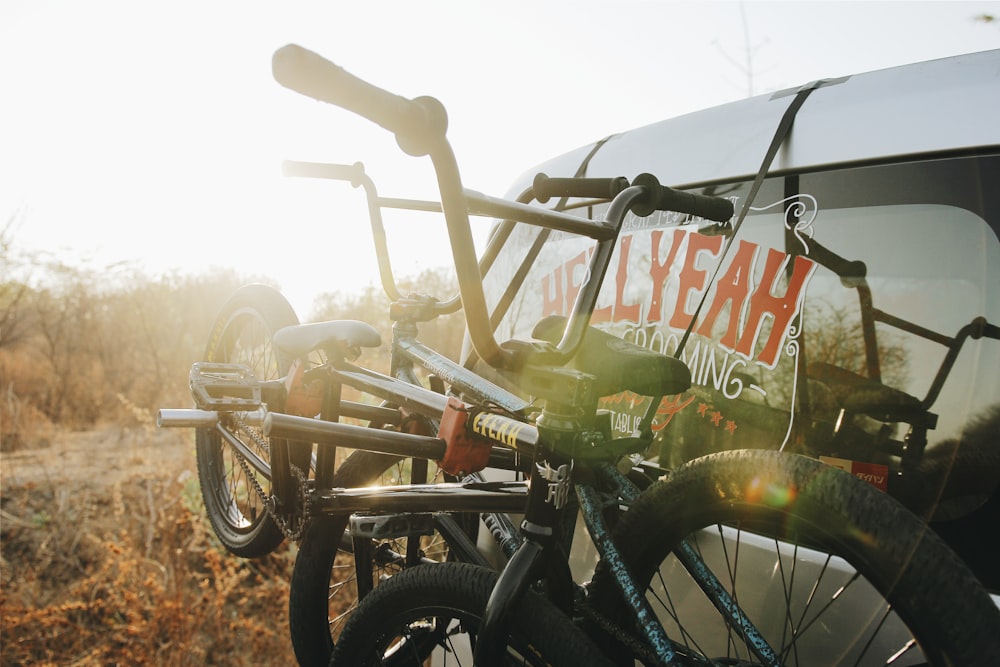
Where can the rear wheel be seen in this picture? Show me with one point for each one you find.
(430, 615)
(829, 570)
(230, 486)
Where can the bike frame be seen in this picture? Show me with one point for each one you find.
(517, 444)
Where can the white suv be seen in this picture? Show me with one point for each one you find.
(854, 316)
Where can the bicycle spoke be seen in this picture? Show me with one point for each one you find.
(797, 627)
(410, 644)
(732, 649)
(447, 644)
(816, 592)
(871, 639)
(733, 579)
(787, 589)
(671, 610)
(697, 548)
(899, 654)
(833, 598)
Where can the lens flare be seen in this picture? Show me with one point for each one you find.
(769, 493)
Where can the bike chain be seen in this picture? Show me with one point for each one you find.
(292, 527)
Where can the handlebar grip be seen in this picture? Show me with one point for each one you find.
(545, 187)
(336, 172)
(312, 75)
(662, 198)
(981, 328)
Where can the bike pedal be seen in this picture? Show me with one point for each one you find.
(389, 526)
(224, 387)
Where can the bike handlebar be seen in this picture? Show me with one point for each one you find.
(420, 127)
(662, 198)
(414, 122)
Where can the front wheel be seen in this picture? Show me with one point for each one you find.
(827, 569)
(325, 586)
(430, 615)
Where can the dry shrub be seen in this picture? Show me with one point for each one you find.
(133, 575)
(22, 424)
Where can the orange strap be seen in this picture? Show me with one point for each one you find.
(465, 452)
(303, 400)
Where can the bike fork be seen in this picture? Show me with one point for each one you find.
(547, 496)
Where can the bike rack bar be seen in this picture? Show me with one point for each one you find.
(278, 425)
(444, 497)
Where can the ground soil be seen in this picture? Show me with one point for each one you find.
(100, 458)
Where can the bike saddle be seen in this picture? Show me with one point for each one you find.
(858, 394)
(340, 337)
(618, 364)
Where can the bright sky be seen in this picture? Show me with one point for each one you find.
(152, 132)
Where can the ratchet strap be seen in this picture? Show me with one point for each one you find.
(784, 127)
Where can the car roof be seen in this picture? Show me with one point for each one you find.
(935, 107)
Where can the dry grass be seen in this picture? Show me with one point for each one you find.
(125, 570)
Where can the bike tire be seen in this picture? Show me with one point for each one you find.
(427, 602)
(891, 580)
(323, 591)
(243, 333)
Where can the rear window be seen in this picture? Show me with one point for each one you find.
(861, 273)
